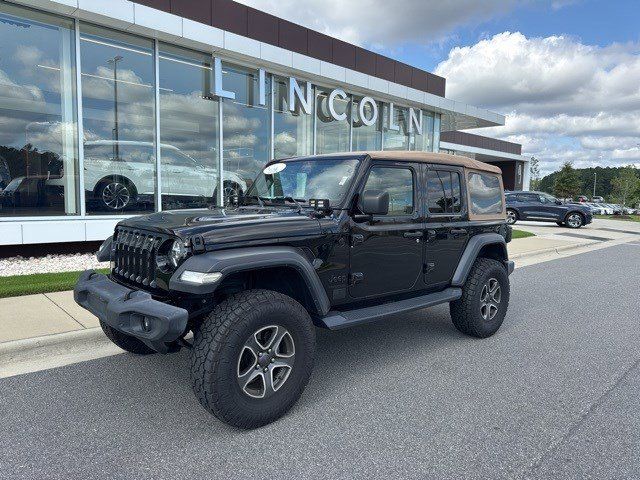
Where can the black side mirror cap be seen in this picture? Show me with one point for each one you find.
(374, 202)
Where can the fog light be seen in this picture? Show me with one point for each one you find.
(200, 278)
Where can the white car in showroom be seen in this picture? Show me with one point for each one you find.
(119, 173)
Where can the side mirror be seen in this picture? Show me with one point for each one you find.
(374, 202)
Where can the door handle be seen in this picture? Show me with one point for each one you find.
(431, 234)
(458, 231)
(412, 234)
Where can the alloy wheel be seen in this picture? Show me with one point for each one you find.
(511, 217)
(266, 361)
(490, 298)
(574, 220)
(115, 195)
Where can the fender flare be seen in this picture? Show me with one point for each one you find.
(232, 261)
(471, 253)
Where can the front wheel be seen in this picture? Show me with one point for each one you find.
(252, 357)
(512, 216)
(574, 220)
(485, 299)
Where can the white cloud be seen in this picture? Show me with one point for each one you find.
(565, 100)
(384, 23)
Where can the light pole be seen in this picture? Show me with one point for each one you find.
(594, 184)
(116, 147)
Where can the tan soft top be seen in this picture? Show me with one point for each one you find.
(427, 157)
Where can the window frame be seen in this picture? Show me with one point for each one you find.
(463, 191)
(414, 185)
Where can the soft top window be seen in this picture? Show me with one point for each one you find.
(485, 194)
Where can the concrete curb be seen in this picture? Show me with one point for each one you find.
(55, 340)
(544, 251)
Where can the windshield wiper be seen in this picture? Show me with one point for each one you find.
(292, 200)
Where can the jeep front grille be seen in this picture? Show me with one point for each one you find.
(135, 255)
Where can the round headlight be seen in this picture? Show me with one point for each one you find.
(177, 252)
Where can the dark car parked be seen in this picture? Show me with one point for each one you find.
(542, 207)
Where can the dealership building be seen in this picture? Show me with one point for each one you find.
(112, 108)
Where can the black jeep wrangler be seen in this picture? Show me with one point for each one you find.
(331, 241)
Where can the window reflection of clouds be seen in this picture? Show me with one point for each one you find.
(398, 182)
(485, 193)
(331, 135)
(293, 131)
(366, 137)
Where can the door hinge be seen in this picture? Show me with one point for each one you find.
(356, 277)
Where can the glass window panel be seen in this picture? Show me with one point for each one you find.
(443, 192)
(366, 138)
(396, 139)
(38, 134)
(247, 129)
(331, 135)
(188, 130)
(423, 142)
(118, 106)
(398, 182)
(293, 131)
(485, 194)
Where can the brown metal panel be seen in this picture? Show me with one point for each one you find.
(164, 5)
(435, 84)
(292, 36)
(418, 79)
(385, 68)
(262, 26)
(402, 74)
(365, 61)
(194, 10)
(230, 16)
(344, 54)
(319, 46)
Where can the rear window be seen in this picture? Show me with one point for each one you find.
(485, 194)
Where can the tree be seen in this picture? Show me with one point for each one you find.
(626, 186)
(567, 182)
(534, 170)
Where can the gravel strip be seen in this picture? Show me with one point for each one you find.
(49, 264)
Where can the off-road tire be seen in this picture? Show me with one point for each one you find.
(126, 342)
(466, 312)
(217, 344)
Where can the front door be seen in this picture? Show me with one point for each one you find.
(386, 252)
(446, 228)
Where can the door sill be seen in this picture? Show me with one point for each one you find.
(335, 320)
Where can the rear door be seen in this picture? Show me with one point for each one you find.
(446, 230)
(386, 252)
(529, 206)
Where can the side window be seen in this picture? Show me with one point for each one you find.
(443, 192)
(398, 182)
(485, 194)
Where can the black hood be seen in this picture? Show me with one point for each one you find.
(229, 225)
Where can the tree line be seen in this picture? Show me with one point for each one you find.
(615, 184)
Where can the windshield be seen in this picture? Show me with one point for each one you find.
(304, 179)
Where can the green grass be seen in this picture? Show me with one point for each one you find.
(522, 234)
(38, 283)
(627, 218)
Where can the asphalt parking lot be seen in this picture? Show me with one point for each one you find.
(554, 394)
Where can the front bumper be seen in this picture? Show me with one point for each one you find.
(132, 312)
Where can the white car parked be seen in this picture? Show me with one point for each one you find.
(118, 172)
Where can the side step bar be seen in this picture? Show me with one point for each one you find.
(337, 320)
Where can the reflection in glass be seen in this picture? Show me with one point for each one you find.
(443, 191)
(396, 139)
(38, 168)
(247, 131)
(331, 135)
(398, 183)
(485, 194)
(118, 91)
(293, 131)
(366, 138)
(423, 142)
(188, 130)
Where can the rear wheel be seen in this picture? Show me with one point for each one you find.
(252, 357)
(574, 220)
(512, 216)
(485, 299)
(126, 342)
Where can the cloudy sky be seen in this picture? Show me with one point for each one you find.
(565, 72)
